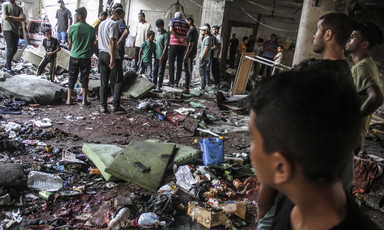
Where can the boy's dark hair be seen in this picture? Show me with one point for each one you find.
(245, 38)
(149, 33)
(274, 35)
(260, 40)
(191, 20)
(159, 22)
(103, 13)
(216, 27)
(118, 11)
(142, 14)
(312, 117)
(340, 25)
(82, 11)
(280, 46)
(209, 26)
(370, 33)
(117, 5)
(46, 29)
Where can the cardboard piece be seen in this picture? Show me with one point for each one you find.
(138, 86)
(172, 93)
(102, 156)
(240, 101)
(155, 156)
(206, 217)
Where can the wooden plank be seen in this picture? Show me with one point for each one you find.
(242, 74)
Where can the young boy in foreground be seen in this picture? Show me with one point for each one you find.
(302, 137)
(52, 47)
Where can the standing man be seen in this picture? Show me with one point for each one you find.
(178, 28)
(141, 35)
(365, 73)
(216, 56)
(205, 55)
(64, 20)
(123, 34)
(190, 54)
(109, 54)
(102, 16)
(81, 37)
(270, 50)
(233, 43)
(162, 41)
(12, 16)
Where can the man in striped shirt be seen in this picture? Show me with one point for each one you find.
(178, 28)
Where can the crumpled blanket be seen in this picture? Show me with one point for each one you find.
(366, 170)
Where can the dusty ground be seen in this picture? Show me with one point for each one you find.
(76, 125)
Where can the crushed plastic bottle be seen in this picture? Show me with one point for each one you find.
(150, 220)
(120, 219)
(44, 181)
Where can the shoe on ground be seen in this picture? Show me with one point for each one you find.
(103, 109)
(117, 109)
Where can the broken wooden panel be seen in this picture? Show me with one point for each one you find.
(102, 156)
(155, 156)
(242, 75)
(32, 57)
(137, 86)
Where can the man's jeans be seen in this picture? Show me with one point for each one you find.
(147, 68)
(62, 36)
(188, 70)
(203, 73)
(105, 73)
(158, 72)
(11, 39)
(175, 52)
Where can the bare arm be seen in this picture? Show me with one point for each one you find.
(139, 59)
(19, 18)
(265, 200)
(374, 100)
(112, 44)
(172, 30)
(69, 43)
(189, 49)
(163, 54)
(122, 39)
(218, 50)
(204, 53)
(55, 51)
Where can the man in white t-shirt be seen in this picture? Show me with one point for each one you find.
(277, 58)
(141, 35)
(216, 56)
(108, 34)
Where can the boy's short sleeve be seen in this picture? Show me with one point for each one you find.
(143, 45)
(113, 32)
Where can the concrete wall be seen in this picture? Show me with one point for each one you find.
(158, 9)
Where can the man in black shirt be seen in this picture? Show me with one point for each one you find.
(302, 138)
(190, 54)
(64, 20)
(233, 43)
(51, 46)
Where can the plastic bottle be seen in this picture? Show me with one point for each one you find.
(44, 181)
(120, 218)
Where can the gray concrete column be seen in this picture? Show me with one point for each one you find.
(310, 14)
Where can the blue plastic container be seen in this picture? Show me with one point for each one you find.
(213, 150)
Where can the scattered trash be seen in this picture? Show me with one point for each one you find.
(46, 122)
(44, 181)
(150, 220)
(120, 219)
(213, 150)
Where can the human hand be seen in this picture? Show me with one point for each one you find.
(112, 63)
(252, 185)
(185, 59)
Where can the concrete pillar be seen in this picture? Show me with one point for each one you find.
(309, 16)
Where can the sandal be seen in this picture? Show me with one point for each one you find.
(103, 110)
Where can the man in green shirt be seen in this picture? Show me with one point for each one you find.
(12, 16)
(205, 55)
(365, 73)
(147, 51)
(162, 41)
(81, 37)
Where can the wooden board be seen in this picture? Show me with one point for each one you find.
(156, 156)
(242, 74)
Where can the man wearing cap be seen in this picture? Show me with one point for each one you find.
(64, 20)
(205, 55)
(178, 28)
(365, 73)
(12, 16)
(81, 37)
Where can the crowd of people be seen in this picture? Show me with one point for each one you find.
(306, 124)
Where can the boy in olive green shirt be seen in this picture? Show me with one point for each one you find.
(147, 50)
(205, 55)
(365, 73)
(162, 41)
(81, 37)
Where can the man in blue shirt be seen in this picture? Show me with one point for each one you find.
(270, 50)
